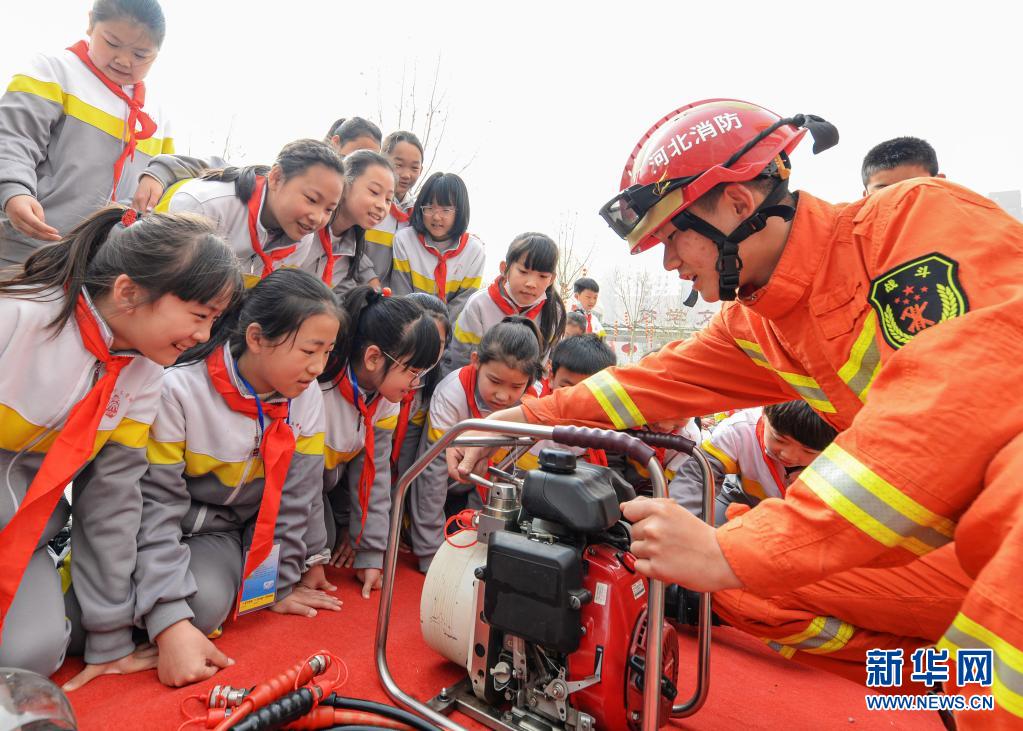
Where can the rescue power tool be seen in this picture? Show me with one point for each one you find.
(538, 597)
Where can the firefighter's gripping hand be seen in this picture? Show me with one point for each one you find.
(673, 545)
(465, 460)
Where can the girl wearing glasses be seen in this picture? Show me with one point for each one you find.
(391, 344)
(436, 254)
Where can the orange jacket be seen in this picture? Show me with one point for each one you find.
(899, 318)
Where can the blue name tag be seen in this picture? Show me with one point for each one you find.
(260, 589)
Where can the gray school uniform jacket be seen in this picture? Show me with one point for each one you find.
(380, 240)
(345, 455)
(414, 269)
(42, 376)
(206, 476)
(344, 250)
(61, 131)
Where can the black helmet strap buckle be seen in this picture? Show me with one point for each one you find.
(729, 263)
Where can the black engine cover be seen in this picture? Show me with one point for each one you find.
(584, 500)
(530, 589)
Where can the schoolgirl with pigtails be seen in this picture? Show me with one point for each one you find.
(236, 462)
(86, 328)
(392, 345)
(77, 127)
(368, 193)
(270, 216)
(405, 152)
(524, 287)
(504, 367)
(412, 415)
(436, 254)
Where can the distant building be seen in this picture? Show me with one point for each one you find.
(1011, 201)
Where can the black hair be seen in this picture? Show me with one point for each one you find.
(445, 189)
(585, 283)
(146, 12)
(163, 253)
(279, 303)
(576, 318)
(391, 141)
(347, 129)
(795, 419)
(436, 309)
(396, 325)
(356, 165)
(539, 252)
(586, 354)
(515, 342)
(899, 151)
(293, 159)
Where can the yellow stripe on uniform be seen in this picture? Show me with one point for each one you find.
(83, 111)
(165, 453)
(332, 458)
(422, 283)
(383, 238)
(389, 423)
(467, 283)
(131, 433)
(822, 636)
(864, 362)
(873, 504)
(614, 400)
(465, 336)
(730, 465)
(311, 444)
(807, 388)
(228, 473)
(754, 488)
(1007, 673)
(164, 205)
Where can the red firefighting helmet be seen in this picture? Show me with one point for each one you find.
(693, 149)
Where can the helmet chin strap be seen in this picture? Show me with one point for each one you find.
(729, 264)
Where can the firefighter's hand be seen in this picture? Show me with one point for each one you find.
(316, 578)
(370, 579)
(147, 195)
(304, 602)
(463, 460)
(673, 545)
(187, 656)
(27, 216)
(143, 658)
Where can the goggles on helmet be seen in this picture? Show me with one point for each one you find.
(624, 212)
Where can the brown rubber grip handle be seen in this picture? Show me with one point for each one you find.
(614, 441)
(669, 441)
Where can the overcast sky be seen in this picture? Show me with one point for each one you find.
(548, 98)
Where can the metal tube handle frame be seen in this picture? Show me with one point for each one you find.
(655, 605)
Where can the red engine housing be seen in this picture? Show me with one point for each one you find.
(615, 622)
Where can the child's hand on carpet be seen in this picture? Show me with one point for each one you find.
(344, 554)
(143, 658)
(371, 579)
(304, 602)
(315, 578)
(187, 656)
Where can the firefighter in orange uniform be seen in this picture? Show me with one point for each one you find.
(898, 318)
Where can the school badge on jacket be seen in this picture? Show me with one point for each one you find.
(917, 295)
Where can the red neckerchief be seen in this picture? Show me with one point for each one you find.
(328, 249)
(276, 448)
(401, 430)
(767, 458)
(269, 259)
(71, 450)
(399, 215)
(147, 127)
(369, 470)
(545, 387)
(467, 376)
(507, 307)
(589, 316)
(440, 272)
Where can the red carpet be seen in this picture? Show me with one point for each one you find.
(751, 687)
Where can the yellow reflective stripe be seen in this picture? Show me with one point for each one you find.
(332, 458)
(164, 205)
(465, 336)
(807, 388)
(311, 445)
(822, 636)
(1007, 673)
(383, 238)
(131, 433)
(873, 504)
(614, 400)
(731, 467)
(864, 362)
(390, 423)
(786, 652)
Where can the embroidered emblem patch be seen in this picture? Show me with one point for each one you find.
(917, 295)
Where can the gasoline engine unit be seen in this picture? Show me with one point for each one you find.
(542, 605)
